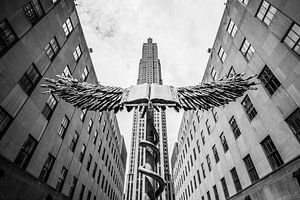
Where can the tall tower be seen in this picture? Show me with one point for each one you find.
(149, 72)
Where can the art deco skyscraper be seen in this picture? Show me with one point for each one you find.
(149, 72)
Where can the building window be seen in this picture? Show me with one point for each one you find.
(49, 107)
(216, 192)
(224, 142)
(52, 48)
(74, 142)
(194, 151)
(68, 27)
(269, 80)
(81, 192)
(89, 128)
(47, 167)
(234, 127)
(213, 73)
(5, 121)
(247, 197)
(26, 152)
(33, 11)
(249, 108)
(222, 54)
(30, 79)
(231, 28)
(82, 114)
(251, 169)
(195, 183)
(216, 155)
(77, 53)
(99, 145)
(63, 126)
(99, 176)
(89, 195)
(225, 189)
(198, 146)
(292, 38)
(271, 152)
(7, 36)
(266, 12)
(294, 122)
(208, 162)
(247, 50)
(215, 114)
(236, 180)
(203, 137)
(203, 170)
(73, 187)
(94, 170)
(95, 137)
(66, 72)
(82, 152)
(208, 195)
(231, 72)
(244, 2)
(84, 74)
(199, 178)
(61, 179)
(89, 162)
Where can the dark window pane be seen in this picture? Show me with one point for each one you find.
(26, 152)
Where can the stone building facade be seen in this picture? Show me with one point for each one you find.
(49, 149)
(248, 149)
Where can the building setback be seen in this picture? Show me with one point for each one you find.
(248, 149)
(149, 72)
(49, 149)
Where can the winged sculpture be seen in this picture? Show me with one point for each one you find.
(106, 98)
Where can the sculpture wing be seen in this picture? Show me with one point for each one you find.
(214, 94)
(86, 95)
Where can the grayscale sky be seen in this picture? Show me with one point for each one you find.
(183, 30)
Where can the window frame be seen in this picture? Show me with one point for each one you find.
(234, 127)
(249, 108)
(222, 54)
(250, 169)
(63, 126)
(47, 167)
(293, 120)
(247, 50)
(49, 107)
(269, 80)
(27, 79)
(5, 121)
(231, 29)
(31, 11)
(52, 48)
(224, 142)
(294, 44)
(268, 12)
(7, 40)
(236, 179)
(68, 27)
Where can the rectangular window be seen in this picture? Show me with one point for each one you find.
(247, 50)
(81, 192)
(82, 114)
(49, 107)
(68, 27)
(203, 170)
(236, 180)
(63, 126)
(266, 12)
(216, 192)
(195, 183)
(84, 74)
(30, 79)
(89, 195)
(208, 195)
(215, 114)
(269, 80)
(52, 48)
(94, 170)
(194, 152)
(61, 179)
(208, 162)
(82, 152)
(89, 128)
(66, 72)
(191, 160)
(231, 72)
(199, 178)
(271, 152)
(89, 162)
(213, 73)
(234, 127)
(294, 122)
(251, 169)
(224, 142)
(99, 145)
(231, 28)
(26, 152)
(5, 121)
(72, 188)
(225, 189)
(249, 108)
(33, 11)
(77, 53)
(198, 146)
(244, 2)
(95, 137)
(47, 167)
(292, 38)
(216, 155)
(222, 54)
(7, 36)
(207, 127)
(74, 142)
(203, 137)
(99, 176)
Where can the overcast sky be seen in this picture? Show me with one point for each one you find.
(183, 30)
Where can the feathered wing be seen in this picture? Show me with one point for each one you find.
(86, 95)
(214, 94)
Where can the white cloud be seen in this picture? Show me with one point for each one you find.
(183, 29)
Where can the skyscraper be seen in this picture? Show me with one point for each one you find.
(149, 72)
